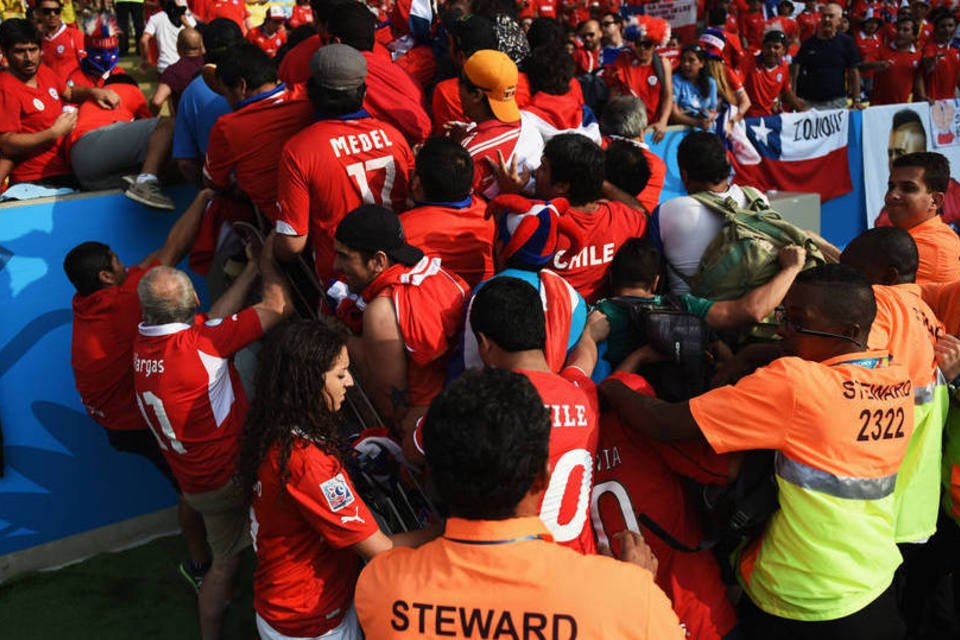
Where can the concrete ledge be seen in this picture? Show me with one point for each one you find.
(72, 549)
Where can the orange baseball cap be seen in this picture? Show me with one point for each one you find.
(497, 76)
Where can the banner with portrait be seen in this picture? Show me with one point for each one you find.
(891, 131)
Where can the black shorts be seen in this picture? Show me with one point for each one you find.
(142, 443)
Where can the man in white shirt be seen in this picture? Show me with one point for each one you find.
(165, 26)
(683, 226)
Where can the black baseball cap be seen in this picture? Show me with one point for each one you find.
(775, 36)
(373, 228)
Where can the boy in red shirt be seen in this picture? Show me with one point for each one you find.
(808, 19)
(869, 44)
(573, 168)
(449, 222)
(766, 78)
(941, 60)
(897, 74)
(785, 23)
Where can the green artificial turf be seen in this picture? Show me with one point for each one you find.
(135, 594)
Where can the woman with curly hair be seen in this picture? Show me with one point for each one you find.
(310, 527)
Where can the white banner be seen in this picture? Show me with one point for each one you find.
(679, 13)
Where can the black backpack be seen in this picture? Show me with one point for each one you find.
(673, 332)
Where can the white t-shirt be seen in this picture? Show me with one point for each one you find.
(686, 229)
(160, 27)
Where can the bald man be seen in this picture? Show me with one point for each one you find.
(178, 75)
(192, 399)
(828, 65)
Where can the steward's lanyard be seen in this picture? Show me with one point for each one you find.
(867, 363)
(490, 542)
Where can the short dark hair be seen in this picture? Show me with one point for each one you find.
(627, 167)
(578, 161)
(940, 14)
(219, 36)
(616, 16)
(249, 63)
(936, 168)
(543, 32)
(875, 250)
(323, 9)
(703, 157)
(335, 102)
(354, 25)
(636, 264)
(845, 295)
(910, 19)
(486, 438)
(18, 31)
(445, 170)
(905, 116)
(509, 312)
(717, 17)
(84, 263)
(550, 69)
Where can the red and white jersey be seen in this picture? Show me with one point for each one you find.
(632, 478)
(627, 76)
(305, 571)
(807, 23)
(104, 328)
(61, 51)
(191, 396)
(235, 10)
(333, 167)
(245, 144)
(587, 61)
(301, 14)
(520, 138)
(571, 398)
(553, 115)
(604, 230)
(26, 109)
(869, 48)
(764, 85)
(894, 84)
(941, 82)
(269, 43)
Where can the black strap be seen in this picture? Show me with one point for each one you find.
(670, 541)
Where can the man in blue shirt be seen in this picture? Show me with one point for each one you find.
(824, 59)
(199, 105)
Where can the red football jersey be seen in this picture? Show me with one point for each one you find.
(571, 399)
(26, 109)
(301, 14)
(627, 76)
(508, 138)
(191, 396)
(459, 233)
(90, 115)
(78, 78)
(245, 144)
(305, 571)
(295, 66)
(104, 328)
(632, 479)
(941, 83)
(604, 230)
(764, 85)
(785, 24)
(895, 84)
(268, 43)
(650, 196)
(393, 96)
(446, 105)
(752, 24)
(807, 24)
(420, 63)
(869, 48)
(333, 167)
(235, 10)
(62, 51)
(587, 61)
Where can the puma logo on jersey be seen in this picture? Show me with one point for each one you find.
(361, 142)
(356, 517)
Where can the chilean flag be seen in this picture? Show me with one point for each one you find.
(804, 152)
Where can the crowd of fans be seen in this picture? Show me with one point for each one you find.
(467, 192)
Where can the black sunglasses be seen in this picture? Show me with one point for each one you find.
(608, 23)
(646, 44)
(48, 11)
(793, 325)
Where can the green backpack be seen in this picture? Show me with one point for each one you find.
(744, 255)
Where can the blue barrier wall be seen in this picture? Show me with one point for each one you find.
(841, 219)
(60, 476)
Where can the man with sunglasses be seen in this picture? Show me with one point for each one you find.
(61, 47)
(611, 28)
(839, 417)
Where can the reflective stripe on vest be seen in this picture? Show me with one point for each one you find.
(807, 477)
